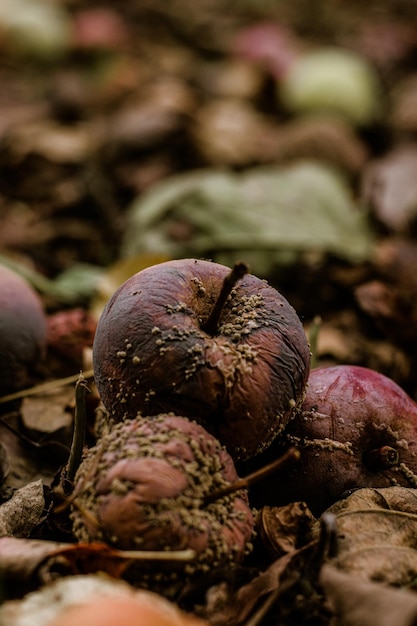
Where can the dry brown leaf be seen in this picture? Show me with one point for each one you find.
(290, 574)
(285, 529)
(48, 412)
(33, 562)
(366, 604)
(327, 139)
(31, 459)
(21, 558)
(377, 535)
(390, 188)
(231, 132)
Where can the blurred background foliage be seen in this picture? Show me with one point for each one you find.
(281, 133)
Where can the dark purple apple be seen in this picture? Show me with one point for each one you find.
(240, 372)
(22, 331)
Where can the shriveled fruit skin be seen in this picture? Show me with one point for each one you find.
(145, 484)
(22, 331)
(151, 353)
(356, 428)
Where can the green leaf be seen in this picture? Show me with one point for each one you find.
(267, 215)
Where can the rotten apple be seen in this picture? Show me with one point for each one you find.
(22, 331)
(194, 337)
(356, 428)
(144, 607)
(149, 485)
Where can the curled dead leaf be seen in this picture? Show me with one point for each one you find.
(365, 604)
(32, 562)
(377, 535)
(285, 529)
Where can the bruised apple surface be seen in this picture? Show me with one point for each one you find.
(146, 484)
(243, 379)
(356, 428)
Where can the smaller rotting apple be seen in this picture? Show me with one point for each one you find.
(356, 428)
(143, 608)
(22, 331)
(218, 345)
(94, 600)
(145, 486)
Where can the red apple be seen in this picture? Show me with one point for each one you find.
(356, 428)
(240, 371)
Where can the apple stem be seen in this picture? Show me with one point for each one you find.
(236, 273)
(290, 456)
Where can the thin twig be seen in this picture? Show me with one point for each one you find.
(52, 384)
(159, 555)
(80, 425)
(290, 456)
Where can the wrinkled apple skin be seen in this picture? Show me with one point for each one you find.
(349, 414)
(146, 483)
(151, 353)
(22, 331)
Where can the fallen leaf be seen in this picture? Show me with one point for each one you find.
(390, 188)
(33, 562)
(267, 215)
(356, 603)
(230, 132)
(48, 412)
(285, 529)
(377, 535)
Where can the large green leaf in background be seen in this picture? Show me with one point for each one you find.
(266, 216)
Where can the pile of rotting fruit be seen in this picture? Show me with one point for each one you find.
(224, 481)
